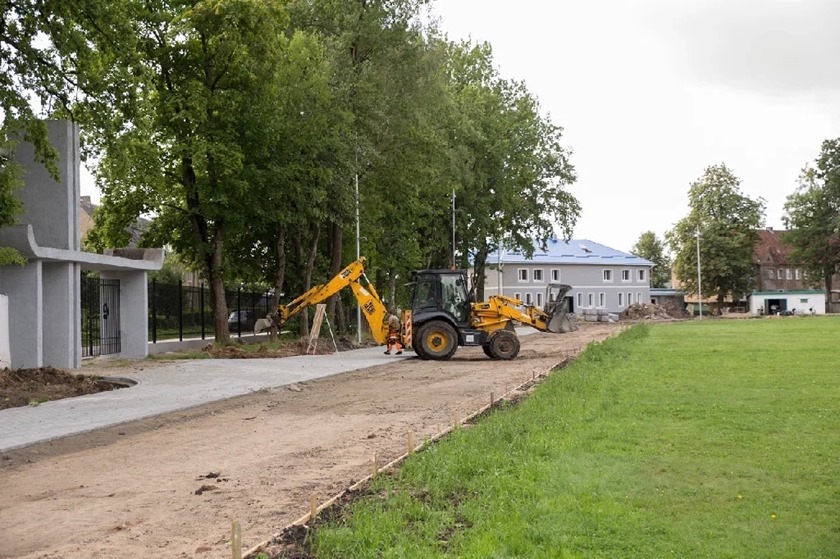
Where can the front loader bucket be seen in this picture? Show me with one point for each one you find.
(558, 320)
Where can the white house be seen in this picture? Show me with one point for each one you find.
(601, 277)
(802, 301)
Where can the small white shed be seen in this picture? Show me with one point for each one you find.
(806, 301)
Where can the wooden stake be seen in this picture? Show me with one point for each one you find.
(410, 441)
(313, 507)
(454, 420)
(374, 468)
(492, 400)
(235, 539)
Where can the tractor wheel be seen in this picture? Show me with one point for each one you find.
(488, 351)
(504, 345)
(418, 348)
(437, 340)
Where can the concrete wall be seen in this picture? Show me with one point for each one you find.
(26, 333)
(53, 205)
(5, 357)
(134, 303)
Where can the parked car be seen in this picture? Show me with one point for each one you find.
(242, 321)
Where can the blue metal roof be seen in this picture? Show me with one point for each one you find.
(575, 251)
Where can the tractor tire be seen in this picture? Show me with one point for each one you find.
(504, 345)
(437, 340)
(418, 348)
(488, 351)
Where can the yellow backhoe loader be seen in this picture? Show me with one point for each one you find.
(443, 313)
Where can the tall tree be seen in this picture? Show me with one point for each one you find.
(650, 247)
(812, 217)
(514, 170)
(199, 103)
(727, 223)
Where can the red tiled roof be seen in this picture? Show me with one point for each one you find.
(770, 249)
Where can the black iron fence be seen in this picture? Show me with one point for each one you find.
(178, 311)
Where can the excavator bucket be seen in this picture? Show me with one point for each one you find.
(558, 311)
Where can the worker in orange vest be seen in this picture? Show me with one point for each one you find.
(394, 334)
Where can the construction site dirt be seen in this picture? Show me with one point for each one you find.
(169, 486)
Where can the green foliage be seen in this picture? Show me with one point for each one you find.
(512, 169)
(812, 216)
(727, 222)
(665, 441)
(650, 247)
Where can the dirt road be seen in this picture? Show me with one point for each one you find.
(169, 486)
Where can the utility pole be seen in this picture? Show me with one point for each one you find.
(699, 285)
(453, 228)
(358, 254)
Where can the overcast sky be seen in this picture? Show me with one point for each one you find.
(651, 92)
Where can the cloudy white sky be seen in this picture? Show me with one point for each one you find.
(651, 92)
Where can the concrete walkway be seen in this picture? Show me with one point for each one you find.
(169, 388)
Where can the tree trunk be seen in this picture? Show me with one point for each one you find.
(212, 260)
(315, 231)
(392, 288)
(479, 266)
(336, 233)
(218, 302)
(828, 287)
(720, 297)
(279, 278)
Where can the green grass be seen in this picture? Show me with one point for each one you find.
(698, 439)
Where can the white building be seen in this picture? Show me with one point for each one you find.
(601, 277)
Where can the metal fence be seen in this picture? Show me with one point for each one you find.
(178, 311)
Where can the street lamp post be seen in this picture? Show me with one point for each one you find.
(453, 228)
(358, 254)
(699, 285)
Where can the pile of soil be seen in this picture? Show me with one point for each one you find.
(25, 387)
(649, 311)
(299, 347)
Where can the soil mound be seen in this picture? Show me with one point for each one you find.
(650, 311)
(34, 386)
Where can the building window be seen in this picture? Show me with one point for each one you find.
(638, 297)
(629, 299)
(602, 300)
(580, 299)
(620, 299)
(625, 275)
(804, 301)
(555, 275)
(798, 274)
(517, 296)
(591, 299)
(789, 273)
(539, 300)
(607, 275)
(780, 274)
(538, 275)
(771, 274)
(522, 274)
(641, 275)
(527, 298)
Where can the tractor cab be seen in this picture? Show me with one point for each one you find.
(441, 292)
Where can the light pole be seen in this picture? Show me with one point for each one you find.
(699, 285)
(453, 228)
(358, 254)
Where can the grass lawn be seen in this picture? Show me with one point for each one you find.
(698, 439)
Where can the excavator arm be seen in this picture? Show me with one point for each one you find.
(369, 301)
